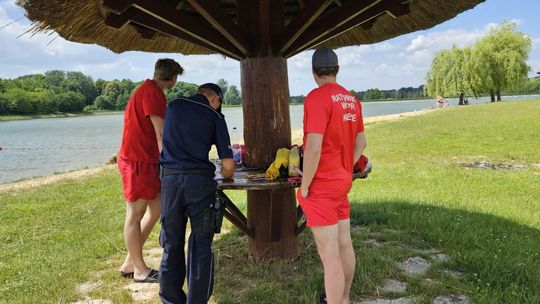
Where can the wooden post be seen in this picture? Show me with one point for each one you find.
(267, 127)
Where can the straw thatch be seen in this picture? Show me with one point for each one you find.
(424, 14)
(80, 21)
(83, 21)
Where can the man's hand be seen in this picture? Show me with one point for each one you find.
(157, 122)
(227, 167)
(304, 191)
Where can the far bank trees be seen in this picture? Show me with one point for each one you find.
(495, 63)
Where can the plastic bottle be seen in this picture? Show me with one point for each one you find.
(236, 149)
(294, 160)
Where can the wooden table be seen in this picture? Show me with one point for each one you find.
(273, 228)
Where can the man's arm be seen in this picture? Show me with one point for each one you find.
(312, 155)
(157, 122)
(359, 146)
(227, 167)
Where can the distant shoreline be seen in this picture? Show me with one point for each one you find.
(10, 117)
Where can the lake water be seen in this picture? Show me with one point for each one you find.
(41, 147)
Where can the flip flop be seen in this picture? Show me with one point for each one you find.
(128, 275)
(152, 277)
(322, 298)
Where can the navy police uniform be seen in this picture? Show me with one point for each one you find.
(188, 189)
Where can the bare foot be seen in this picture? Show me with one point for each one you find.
(126, 268)
(141, 275)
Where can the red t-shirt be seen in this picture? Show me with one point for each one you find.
(139, 139)
(335, 113)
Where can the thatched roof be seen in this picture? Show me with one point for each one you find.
(236, 28)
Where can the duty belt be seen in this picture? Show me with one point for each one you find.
(171, 171)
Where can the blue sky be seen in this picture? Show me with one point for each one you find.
(399, 62)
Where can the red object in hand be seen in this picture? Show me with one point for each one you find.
(361, 164)
(243, 150)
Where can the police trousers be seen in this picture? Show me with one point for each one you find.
(183, 197)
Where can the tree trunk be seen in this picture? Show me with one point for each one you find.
(267, 127)
(461, 98)
(498, 94)
(492, 94)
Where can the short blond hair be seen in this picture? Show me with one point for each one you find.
(167, 69)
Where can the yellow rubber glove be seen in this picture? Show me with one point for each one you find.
(282, 159)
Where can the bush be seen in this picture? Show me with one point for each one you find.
(70, 101)
(103, 102)
(19, 101)
(3, 106)
(44, 102)
(90, 108)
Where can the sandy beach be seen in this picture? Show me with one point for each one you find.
(40, 181)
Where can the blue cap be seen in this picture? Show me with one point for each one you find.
(216, 89)
(324, 57)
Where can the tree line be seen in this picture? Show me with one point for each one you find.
(376, 94)
(66, 91)
(494, 64)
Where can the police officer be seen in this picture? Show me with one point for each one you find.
(192, 126)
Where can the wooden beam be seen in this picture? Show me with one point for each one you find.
(248, 16)
(101, 11)
(366, 16)
(168, 15)
(134, 15)
(330, 21)
(299, 24)
(264, 46)
(211, 12)
(146, 33)
(399, 10)
(367, 25)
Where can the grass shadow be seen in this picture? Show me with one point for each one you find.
(497, 260)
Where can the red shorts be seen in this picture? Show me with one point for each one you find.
(324, 208)
(140, 180)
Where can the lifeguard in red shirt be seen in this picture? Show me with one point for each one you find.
(333, 142)
(138, 161)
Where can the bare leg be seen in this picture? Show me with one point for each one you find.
(348, 258)
(132, 235)
(148, 222)
(326, 238)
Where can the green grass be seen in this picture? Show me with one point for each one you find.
(55, 237)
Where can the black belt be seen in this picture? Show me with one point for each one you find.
(171, 171)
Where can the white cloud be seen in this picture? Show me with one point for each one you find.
(446, 39)
(384, 47)
(351, 56)
(300, 61)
